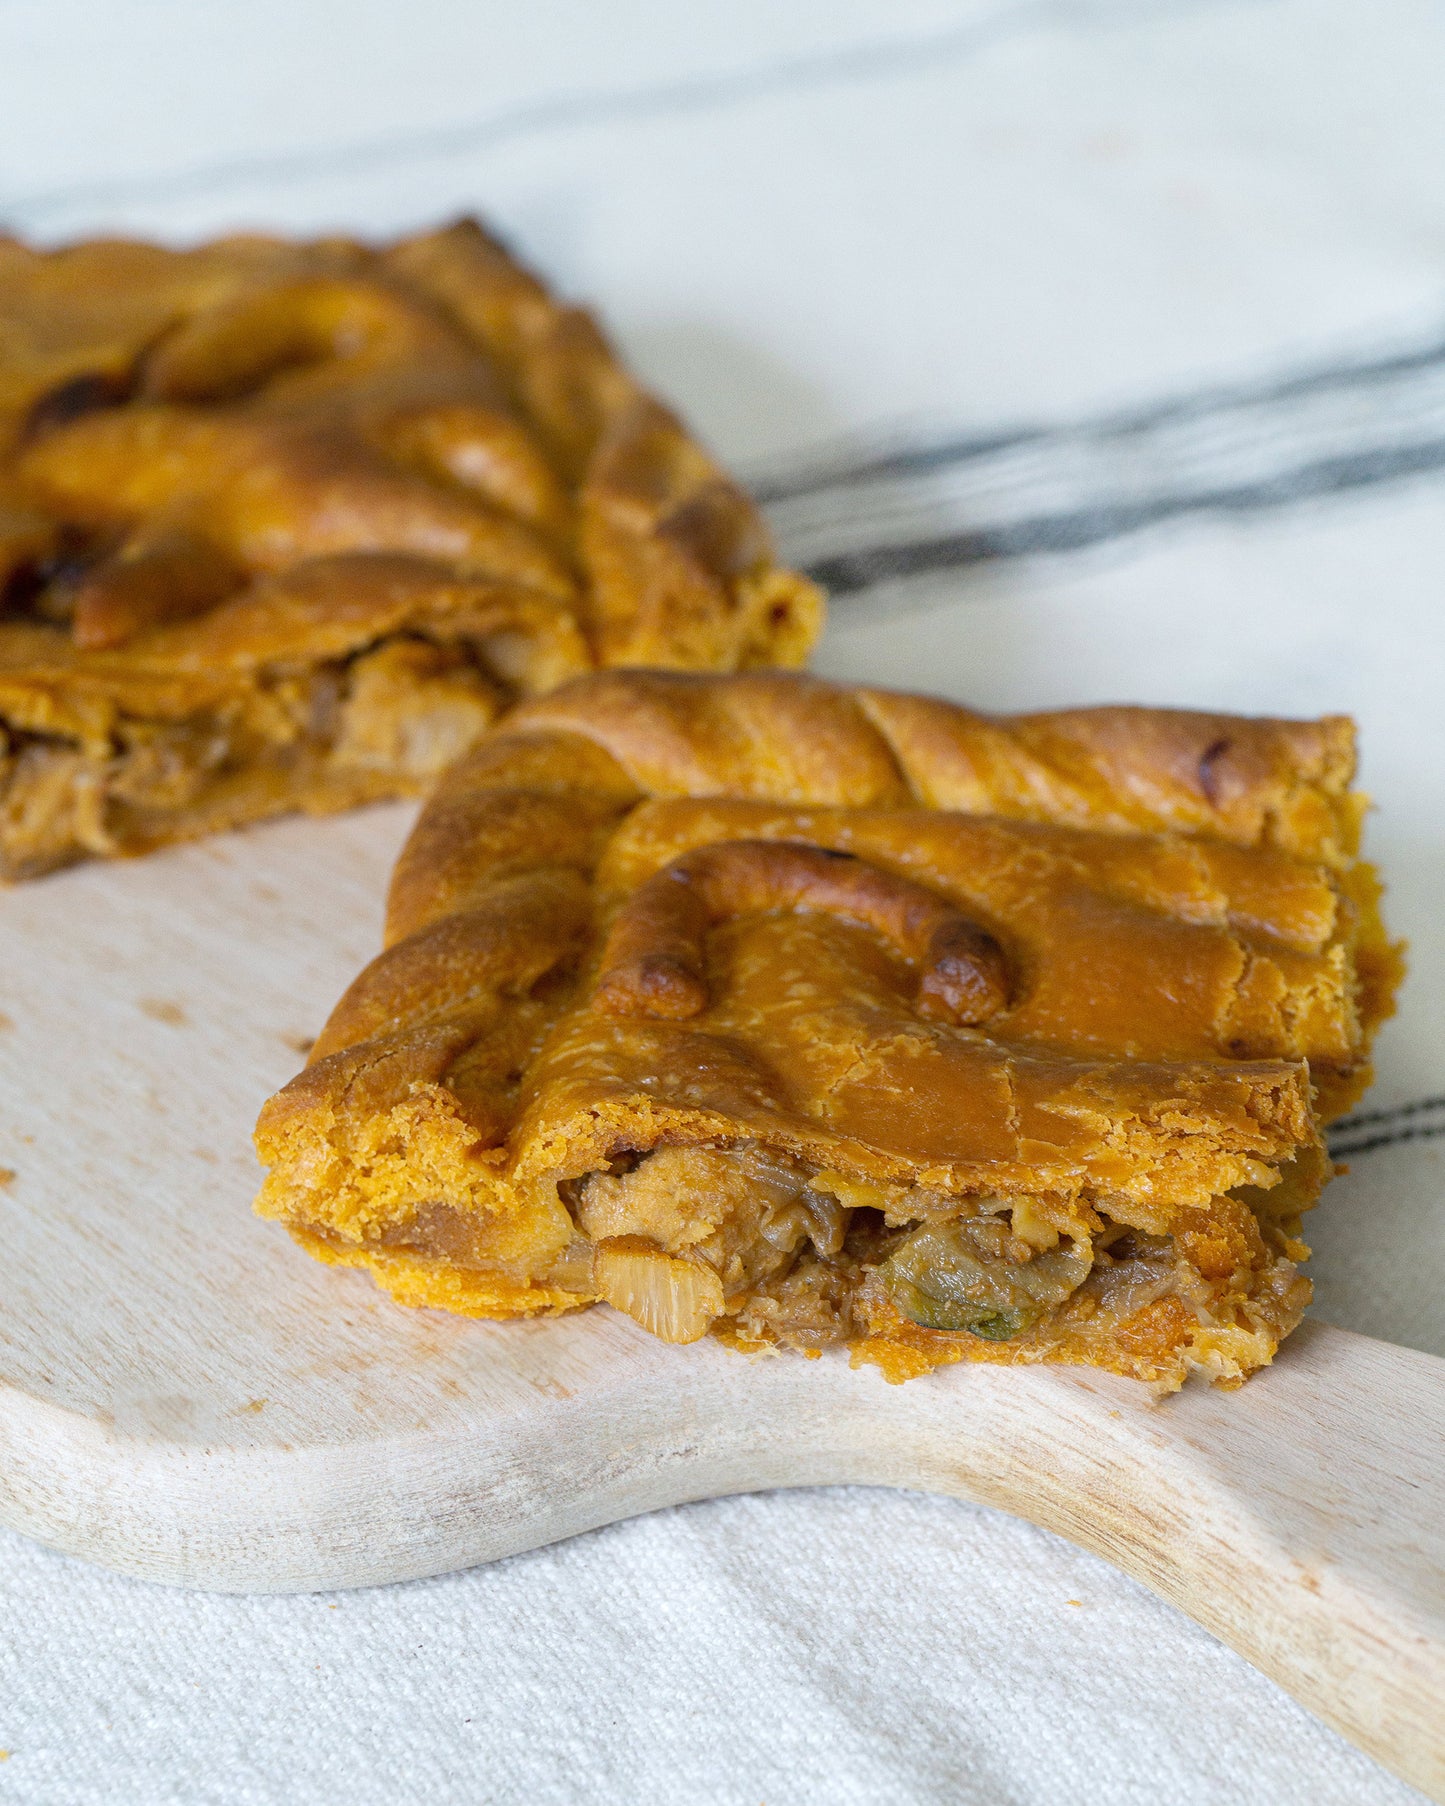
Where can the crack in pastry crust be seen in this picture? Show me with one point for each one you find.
(295, 521)
(511, 1111)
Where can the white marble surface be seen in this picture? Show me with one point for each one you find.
(828, 230)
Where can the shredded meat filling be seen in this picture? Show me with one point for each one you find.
(401, 711)
(753, 1243)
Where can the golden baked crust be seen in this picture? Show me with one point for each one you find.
(804, 1014)
(286, 525)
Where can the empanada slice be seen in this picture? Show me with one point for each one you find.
(801, 1014)
(285, 526)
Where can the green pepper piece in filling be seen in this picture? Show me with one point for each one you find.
(943, 1276)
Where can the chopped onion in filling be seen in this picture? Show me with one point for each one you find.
(675, 1297)
(687, 1235)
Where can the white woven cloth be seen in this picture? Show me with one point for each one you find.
(1094, 352)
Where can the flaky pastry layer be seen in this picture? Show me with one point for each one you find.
(801, 1014)
(286, 525)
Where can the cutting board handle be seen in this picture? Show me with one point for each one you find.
(1302, 1519)
(1299, 1519)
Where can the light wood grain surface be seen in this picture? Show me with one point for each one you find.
(184, 1397)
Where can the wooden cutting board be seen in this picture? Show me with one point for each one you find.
(185, 1397)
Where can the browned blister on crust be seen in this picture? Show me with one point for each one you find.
(803, 1014)
(287, 525)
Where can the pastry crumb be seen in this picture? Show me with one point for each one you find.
(161, 1009)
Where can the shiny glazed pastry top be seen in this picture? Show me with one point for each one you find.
(805, 1014)
(287, 524)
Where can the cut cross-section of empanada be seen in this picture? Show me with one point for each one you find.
(287, 525)
(799, 1014)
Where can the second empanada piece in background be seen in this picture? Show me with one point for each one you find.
(286, 525)
(807, 1015)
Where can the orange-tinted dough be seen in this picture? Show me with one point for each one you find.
(1105, 1162)
(287, 525)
